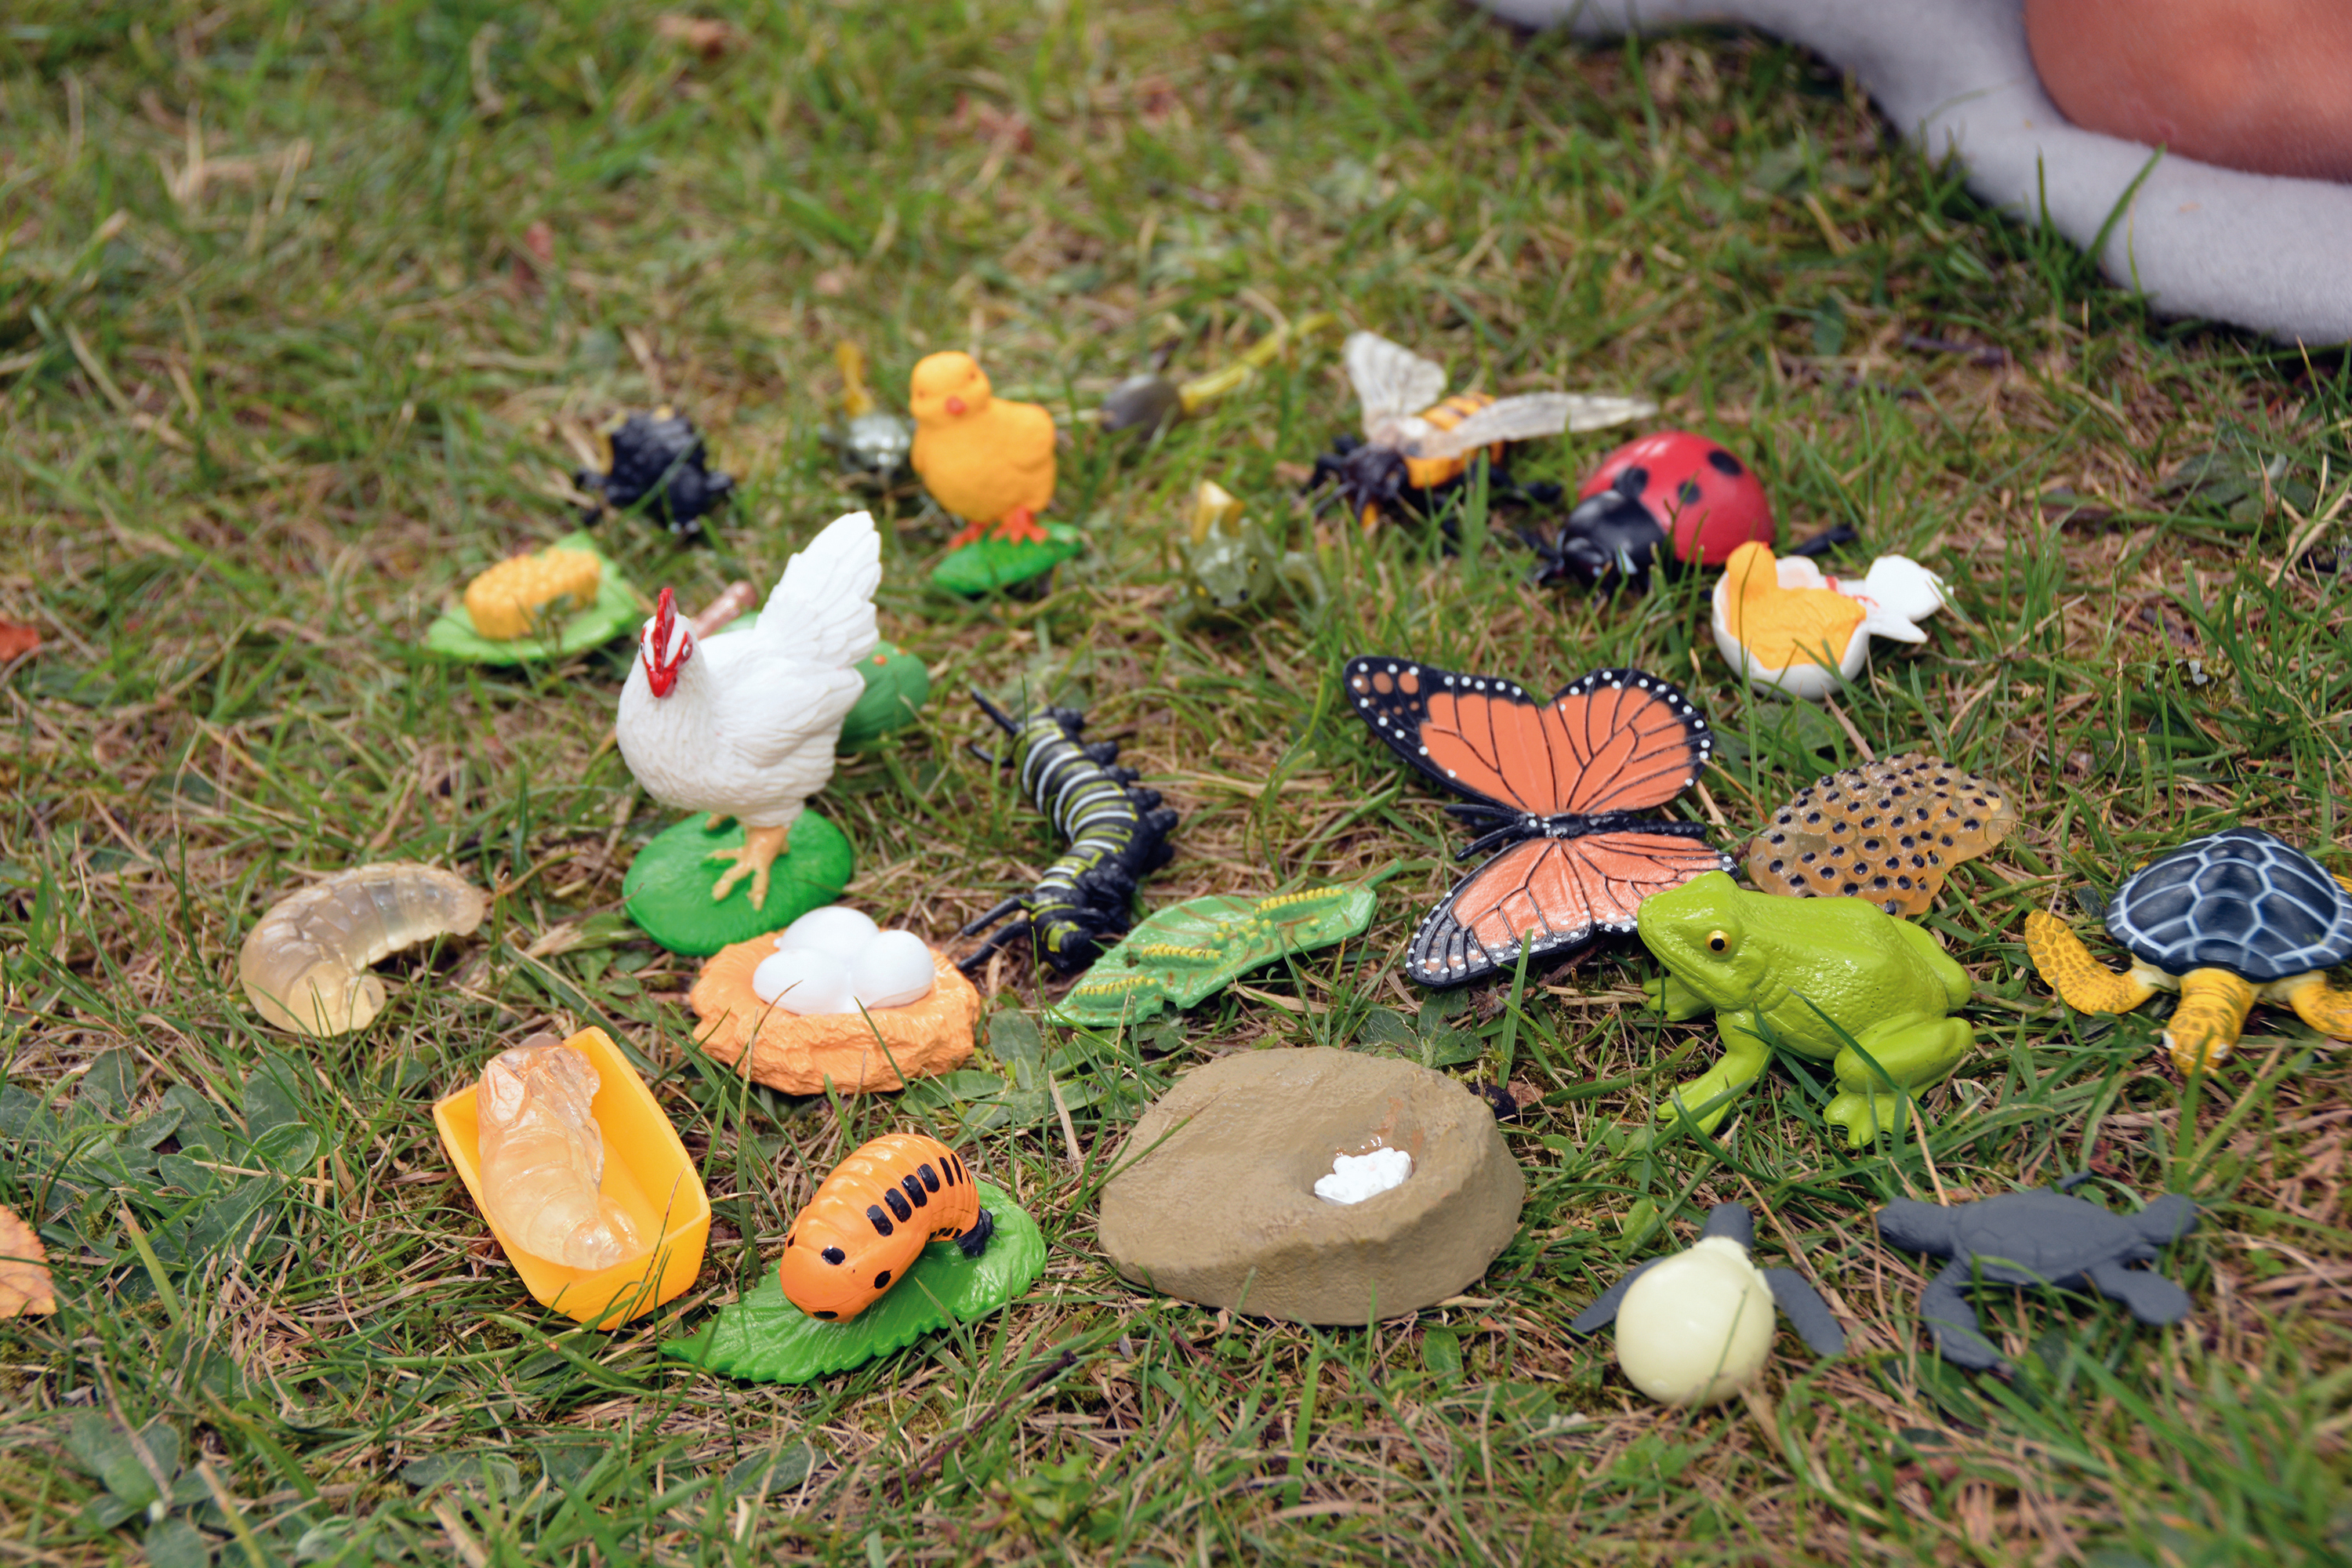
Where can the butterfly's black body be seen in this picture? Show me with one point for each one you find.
(1561, 874)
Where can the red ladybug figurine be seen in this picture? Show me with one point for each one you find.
(1674, 483)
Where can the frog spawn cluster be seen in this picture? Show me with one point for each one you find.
(1889, 831)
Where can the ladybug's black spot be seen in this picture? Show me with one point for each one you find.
(1723, 462)
(1688, 493)
(834, 1254)
(1631, 481)
(882, 1281)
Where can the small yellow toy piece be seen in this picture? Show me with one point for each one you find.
(517, 596)
(987, 460)
(2082, 981)
(1782, 627)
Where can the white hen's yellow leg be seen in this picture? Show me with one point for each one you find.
(2204, 1028)
(761, 847)
(2068, 967)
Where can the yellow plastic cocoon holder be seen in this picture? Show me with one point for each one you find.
(646, 1172)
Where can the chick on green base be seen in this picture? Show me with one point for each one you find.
(985, 459)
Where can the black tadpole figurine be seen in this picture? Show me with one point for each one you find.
(658, 459)
(2043, 1239)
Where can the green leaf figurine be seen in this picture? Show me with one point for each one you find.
(987, 564)
(1187, 952)
(615, 611)
(764, 1338)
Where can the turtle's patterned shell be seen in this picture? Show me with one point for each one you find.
(2241, 901)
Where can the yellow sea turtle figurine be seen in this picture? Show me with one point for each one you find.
(2235, 918)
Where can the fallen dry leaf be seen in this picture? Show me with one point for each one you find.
(15, 641)
(25, 1287)
(706, 36)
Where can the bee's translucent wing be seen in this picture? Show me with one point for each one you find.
(1525, 417)
(1392, 381)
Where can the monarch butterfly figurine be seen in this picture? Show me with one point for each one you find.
(1559, 787)
(1411, 438)
(871, 1219)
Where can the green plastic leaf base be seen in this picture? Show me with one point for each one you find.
(1184, 952)
(988, 564)
(614, 612)
(896, 687)
(764, 1338)
(667, 889)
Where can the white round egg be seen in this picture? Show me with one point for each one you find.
(1695, 1328)
(835, 929)
(892, 970)
(802, 980)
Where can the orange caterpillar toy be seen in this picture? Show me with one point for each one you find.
(871, 1219)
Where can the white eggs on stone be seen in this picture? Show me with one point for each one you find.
(1355, 1177)
(834, 960)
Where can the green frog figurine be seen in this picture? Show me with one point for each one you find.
(1233, 568)
(1790, 968)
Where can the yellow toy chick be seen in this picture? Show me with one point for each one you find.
(987, 460)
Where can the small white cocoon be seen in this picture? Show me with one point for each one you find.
(1355, 1177)
(1696, 1328)
(892, 970)
(835, 929)
(802, 980)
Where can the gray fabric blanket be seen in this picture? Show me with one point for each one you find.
(2255, 250)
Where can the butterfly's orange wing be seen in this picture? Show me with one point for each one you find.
(1554, 894)
(1615, 740)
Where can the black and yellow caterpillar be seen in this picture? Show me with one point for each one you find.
(1117, 835)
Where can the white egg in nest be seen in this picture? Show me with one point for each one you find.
(893, 969)
(802, 980)
(835, 959)
(835, 929)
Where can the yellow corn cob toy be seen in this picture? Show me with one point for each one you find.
(515, 597)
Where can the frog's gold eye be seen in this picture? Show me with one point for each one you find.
(1718, 942)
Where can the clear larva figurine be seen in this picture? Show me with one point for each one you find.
(304, 964)
(542, 1159)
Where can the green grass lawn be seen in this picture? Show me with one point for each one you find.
(306, 312)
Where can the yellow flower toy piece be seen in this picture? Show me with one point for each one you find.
(2230, 920)
(519, 595)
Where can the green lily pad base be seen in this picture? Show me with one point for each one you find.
(1184, 952)
(988, 564)
(614, 612)
(764, 1338)
(667, 889)
(896, 687)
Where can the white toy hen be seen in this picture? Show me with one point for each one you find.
(744, 724)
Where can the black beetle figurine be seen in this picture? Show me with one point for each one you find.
(656, 461)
